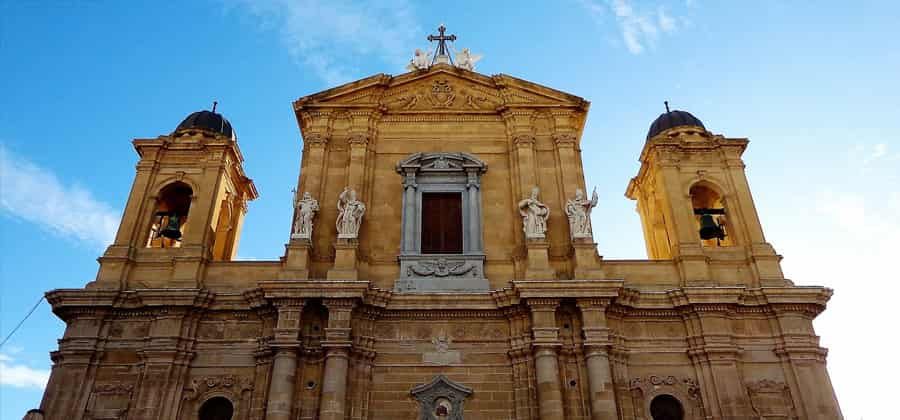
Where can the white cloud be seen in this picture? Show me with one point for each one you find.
(36, 194)
(21, 376)
(666, 22)
(639, 28)
(327, 36)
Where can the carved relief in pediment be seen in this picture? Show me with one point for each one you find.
(441, 93)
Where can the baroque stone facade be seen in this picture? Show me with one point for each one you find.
(370, 325)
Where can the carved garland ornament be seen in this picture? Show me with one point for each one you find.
(442, 268)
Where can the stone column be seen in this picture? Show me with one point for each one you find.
(596, 355)
(337, 354)
(284, 368)
(474, 233)
(524, 146)
(569, 169)
(359, 143)
(408, 244)
(545, 346)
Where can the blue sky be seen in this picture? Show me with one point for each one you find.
(813, 85)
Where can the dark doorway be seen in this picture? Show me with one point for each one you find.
(666, 407)
(216, 408)
(442, 223)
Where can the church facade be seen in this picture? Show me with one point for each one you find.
(440, 265)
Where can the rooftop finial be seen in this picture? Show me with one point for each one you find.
(442, 55)
(214, 105)
(667, 106)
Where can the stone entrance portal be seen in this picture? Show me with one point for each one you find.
(441, 399)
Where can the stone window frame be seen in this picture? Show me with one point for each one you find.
(441, 172)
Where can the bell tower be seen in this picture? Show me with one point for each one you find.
(696, 208)
(185, 209)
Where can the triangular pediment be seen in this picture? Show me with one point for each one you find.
(441, 88)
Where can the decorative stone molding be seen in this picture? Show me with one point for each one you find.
(445, 173)
(523, 140)
(686, 390)
(441, 267)
(109, 401)
(231, 385)
(441, 399)
(564, 139)
(771, 399)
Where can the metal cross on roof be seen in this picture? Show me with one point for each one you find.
(442, 50)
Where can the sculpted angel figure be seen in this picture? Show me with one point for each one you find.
(305, 210)
(419, 61)
(534, 215)
(578, 210)
(466, 60)
(350, 214)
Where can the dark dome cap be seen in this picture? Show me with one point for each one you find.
(209, 121)
(673, 119)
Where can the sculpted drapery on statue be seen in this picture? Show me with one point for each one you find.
(306, 209)
(350, 214)
(578, 210)
(534, 215)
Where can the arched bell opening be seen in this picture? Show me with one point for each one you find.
(666, 407)
(216, 408)
(710, 212)
(170, 216)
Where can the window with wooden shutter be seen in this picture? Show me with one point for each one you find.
(442, 223)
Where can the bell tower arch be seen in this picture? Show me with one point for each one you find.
(185, 209)
(696, 207)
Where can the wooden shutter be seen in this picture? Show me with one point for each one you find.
(441, 223)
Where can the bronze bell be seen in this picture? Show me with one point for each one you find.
(709, 229)
(173, 228)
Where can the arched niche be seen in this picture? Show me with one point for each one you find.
(666, 407)
(707, 196)
(448, 182)
(170, 215)
(216, 408)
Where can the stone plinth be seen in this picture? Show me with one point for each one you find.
(539, 260)
(344, 260)
(296, 259)
(587, 261)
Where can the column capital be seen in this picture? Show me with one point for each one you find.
(564, 139)
(288, 303)
(593, 303)
(523, 140)
(542, 304)
(339, 304)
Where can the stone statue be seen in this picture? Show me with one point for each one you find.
(350, 214)
(534, 215)
(466, 60)
(305, 211)
(419, 60)
(578, 210)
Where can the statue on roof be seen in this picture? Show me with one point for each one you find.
(466, 60)
(419, 61)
